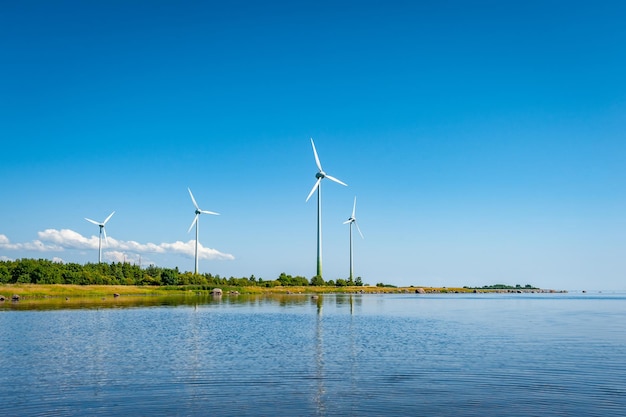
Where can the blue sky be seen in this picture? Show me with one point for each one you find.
(485, 141)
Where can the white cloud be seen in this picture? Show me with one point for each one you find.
(53, 240)
(35, 245)
(68, 239)
(188, 249)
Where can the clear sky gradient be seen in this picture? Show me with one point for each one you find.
(485, 140)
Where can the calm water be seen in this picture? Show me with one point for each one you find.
(360, 355)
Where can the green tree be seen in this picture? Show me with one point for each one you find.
(284, 279)
(169, 277)
(153, 271)
(5, 276)
(118, 272)
(22, 270)
(299, 281)
(23, 279)
(317, 281)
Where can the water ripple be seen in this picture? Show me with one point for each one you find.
(360, 356)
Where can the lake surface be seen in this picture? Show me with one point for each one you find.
(337, 355)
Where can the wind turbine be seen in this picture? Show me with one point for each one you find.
(318, 186)
(197, 222)
(351, 220)
(102, 230)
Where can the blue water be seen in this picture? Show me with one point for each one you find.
(359, 355)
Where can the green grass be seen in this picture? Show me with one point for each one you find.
(38, 291)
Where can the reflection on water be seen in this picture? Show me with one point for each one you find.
(319, 357)
(327, 355)
(194, 299)
(128, 301)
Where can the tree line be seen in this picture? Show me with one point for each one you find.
(44, 271)
(504, 287)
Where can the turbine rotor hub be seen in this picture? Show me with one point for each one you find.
(320, 174)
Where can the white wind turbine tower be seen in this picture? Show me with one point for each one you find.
(351, 220)
(318, 186)
(197, 223)
(102, 230)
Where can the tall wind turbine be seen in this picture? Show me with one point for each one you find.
(102, 230)
(197, 223)
(350, 221)
(318, 186)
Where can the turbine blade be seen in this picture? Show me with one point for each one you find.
(107, 219)
(92, 221)
(317, 184)
(195, 219)
(193, 199)
(347, 221)
(106, 241)
(209, 212)
(359, 229)
(317, 159)
(354, 208)
(336, 180)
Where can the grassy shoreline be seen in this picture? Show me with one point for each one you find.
(46, 291)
